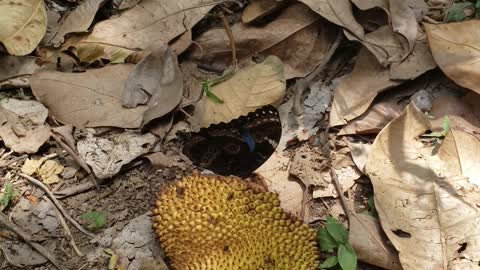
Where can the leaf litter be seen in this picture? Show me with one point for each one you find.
(99, 96)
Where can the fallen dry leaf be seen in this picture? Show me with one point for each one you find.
(338, 12)
(360, 152)
(455, 49)
(431, 219)
(275, 172)
(248, 89)
(30, 166)
(14, 66)
(79, 20)
(107, 154)
(417, 63)
(49, 172)
(404, 23)
(298, 36)
(259, 9)
(24, 23)
(89, 99)
(370, 243)
(156, 82)
(28, 109)
(355, 93)
(148, 22)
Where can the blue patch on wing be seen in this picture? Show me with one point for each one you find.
(247, 137)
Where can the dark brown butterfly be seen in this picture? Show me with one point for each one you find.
(238, 147)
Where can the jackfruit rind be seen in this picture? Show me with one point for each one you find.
(216, 222)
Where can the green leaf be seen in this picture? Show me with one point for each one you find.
(96, 220)
(337, 230)
(9, 194)
(206, 86)
(347, 258)
(457, 11)
(326, 241)
(372, 211)
(329, 262)
(446, 125)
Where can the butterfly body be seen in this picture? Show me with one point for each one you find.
(238, 147)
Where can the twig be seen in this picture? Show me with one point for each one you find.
(55, 202)
(71, 152)
(13, 160)
(232, 41)
(339, 190)
(326, 58)
(39, 248)
(67, 229)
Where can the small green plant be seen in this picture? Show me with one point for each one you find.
(208, 84)
(445, 129)
(371, 210)
(8, 195)
(96, 220)
(334, 237)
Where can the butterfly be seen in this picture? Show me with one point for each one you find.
(238, 147)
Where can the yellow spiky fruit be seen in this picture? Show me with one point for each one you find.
(216, 222)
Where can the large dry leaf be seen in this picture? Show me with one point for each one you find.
(417, 63)
(79, 20)
(89, 99)
(259, 9)
(156, 82)
(368, 240)
(404, 23)
(248, 89)
(338, 12)
(354, 94)
(24, 23)
(298, 36)
(456, 49)
(150, 21)
(428, 210)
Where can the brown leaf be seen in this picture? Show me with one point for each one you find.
(455, 49)
(150, 21)
(181, 44)
(156, 81)
(338, 12)
(14, 66)
(355, 93)
(79, 20)
(89, 99)
(427, 210)
(404, 23)
(417, 63)
(298, 36)
(259, 9)
(248, 89)
(370, 243)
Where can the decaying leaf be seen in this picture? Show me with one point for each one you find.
(355, 93)
(79, 20)
(22, 126)
(24, 23)
(455, 48)
(247, 90)
(298, 36)
(107, 154)
(148, 22)
(49, 171)
(156, 82)
(427, 209)
(89, 99)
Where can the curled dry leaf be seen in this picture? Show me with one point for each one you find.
(248, 89)
(107, 154)
(455, 48)
(427, 208)
(79, 20)
(355, 93)
(404, 23)
(338, 12)
(24, 23)
(156, 82)
(298, 36)
(150, 21)
(89, 99)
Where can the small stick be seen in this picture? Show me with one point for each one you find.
(67, 229)
(24, 235)
(13, 160)
(343, 201)
(232, 40)
(56, 203)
